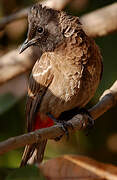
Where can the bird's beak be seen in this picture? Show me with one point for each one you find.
(27, 43)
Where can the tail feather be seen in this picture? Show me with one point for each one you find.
(33, 153)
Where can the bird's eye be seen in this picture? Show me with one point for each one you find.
(40, 30)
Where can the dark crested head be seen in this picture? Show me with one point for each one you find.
(48, 28)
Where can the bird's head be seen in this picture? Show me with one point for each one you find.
(48, 28)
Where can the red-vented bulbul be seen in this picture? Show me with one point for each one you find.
(66, 76)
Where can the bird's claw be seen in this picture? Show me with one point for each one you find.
(90, 124)
(64, 126)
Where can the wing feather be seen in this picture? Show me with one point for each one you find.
(40, 78)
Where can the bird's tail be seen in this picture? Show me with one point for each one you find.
(33, 153)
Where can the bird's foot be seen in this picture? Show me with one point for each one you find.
(64, 125)
(90, 124)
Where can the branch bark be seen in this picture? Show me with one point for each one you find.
(107, 100)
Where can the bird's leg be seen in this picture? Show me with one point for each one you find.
(64, 126)
(90, 124)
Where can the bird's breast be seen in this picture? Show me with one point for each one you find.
(76, 77)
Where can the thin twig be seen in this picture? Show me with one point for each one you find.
(108, 100)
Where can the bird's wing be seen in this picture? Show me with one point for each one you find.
(41, 77)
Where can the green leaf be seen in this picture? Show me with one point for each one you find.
(26, 173)
(4, 172)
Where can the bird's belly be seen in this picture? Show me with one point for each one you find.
(65, 95)
(59, 96)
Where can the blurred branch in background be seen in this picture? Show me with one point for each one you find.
(58, 5)
(15, 64)
(13, 17)
(80, 121)
(103, 22)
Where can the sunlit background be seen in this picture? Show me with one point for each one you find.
(101, 143)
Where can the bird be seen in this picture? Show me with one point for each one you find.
(66, 75)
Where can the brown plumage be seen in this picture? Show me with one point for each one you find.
(67, 74)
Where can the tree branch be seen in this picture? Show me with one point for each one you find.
(15, 64)
(103, 21)
(13, 17)
(58, 5)
(107, 100)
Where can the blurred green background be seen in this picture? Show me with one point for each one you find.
(101, 143)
